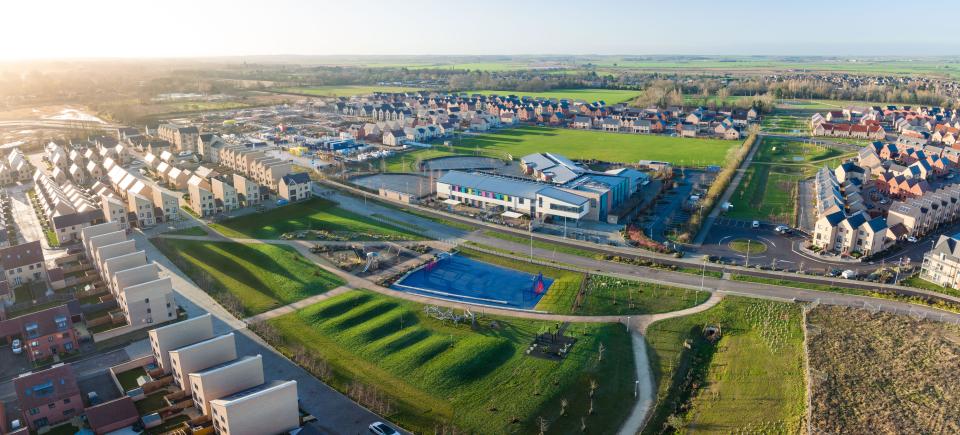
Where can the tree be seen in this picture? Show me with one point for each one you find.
(563, 406)
(543, 425)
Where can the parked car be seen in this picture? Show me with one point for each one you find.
(381, 428)
(755, 224)
(93, 398)
(834, 273)
(782, 229)
(17, 346)
(848, 274)
(912, 239)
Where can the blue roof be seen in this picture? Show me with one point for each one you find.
(560, 195)
(493, 183)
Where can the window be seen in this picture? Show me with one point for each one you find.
(51, 405)
(66, 401)
(34, 411)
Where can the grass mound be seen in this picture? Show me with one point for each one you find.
(475, 378)
(315, 214)
(258, 276)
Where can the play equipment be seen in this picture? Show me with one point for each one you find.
(373, 259)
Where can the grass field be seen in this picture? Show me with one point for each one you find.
(768, 190)
(750, 381)
(609, 96)
(315, 214)
(261, 276)
(580, 144)
(478, 379)
(744, 246)
(344, 91)
(613, 296)
(882, 373)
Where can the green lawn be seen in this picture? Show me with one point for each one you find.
(609, 96)
(344, 91)
(315, 214)
(561, 295)
(750, 381)
(477, 379)
(748, 246)
(151, 403)
(920, 283)
(579, 144)
(128, 379)
(614, 296)
(262, 276)
(768, 190)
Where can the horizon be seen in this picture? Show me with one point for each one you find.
(245, 28)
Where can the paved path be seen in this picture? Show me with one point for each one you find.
(303, 303)
(646, 387)
(728, 193)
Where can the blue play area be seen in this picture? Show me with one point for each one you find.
(462, 279)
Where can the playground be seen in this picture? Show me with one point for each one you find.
(458, 278)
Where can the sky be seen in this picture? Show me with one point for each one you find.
(40, 29)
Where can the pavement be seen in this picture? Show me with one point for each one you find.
(28, 226)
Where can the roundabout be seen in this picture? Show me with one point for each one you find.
(747, 246)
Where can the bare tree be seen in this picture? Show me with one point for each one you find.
(593, 386)
(563, 406)
(600, 354)
(543, 425)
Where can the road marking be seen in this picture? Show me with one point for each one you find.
(768, 241)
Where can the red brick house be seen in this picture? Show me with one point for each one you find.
(48, 397)
(44, 333)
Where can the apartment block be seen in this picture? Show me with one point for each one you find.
(225, 379)
(183, 137)
(201, 355)
(265, 409)
(177, 335)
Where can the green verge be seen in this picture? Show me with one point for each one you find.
(260, 276)
(314, 214)
(477, 379)
(920, 283)
(750, 381)
(850, 291)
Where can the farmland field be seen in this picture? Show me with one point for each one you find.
(768, 189)
(749, 381)
(477, 378)
(581, 144)
(344, 91)
(314, 214)
(261, 276)
(609, 96)
(882, 373)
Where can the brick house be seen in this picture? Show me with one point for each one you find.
(44, 333)
(49, 397)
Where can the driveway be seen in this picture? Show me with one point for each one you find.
(28, 226)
